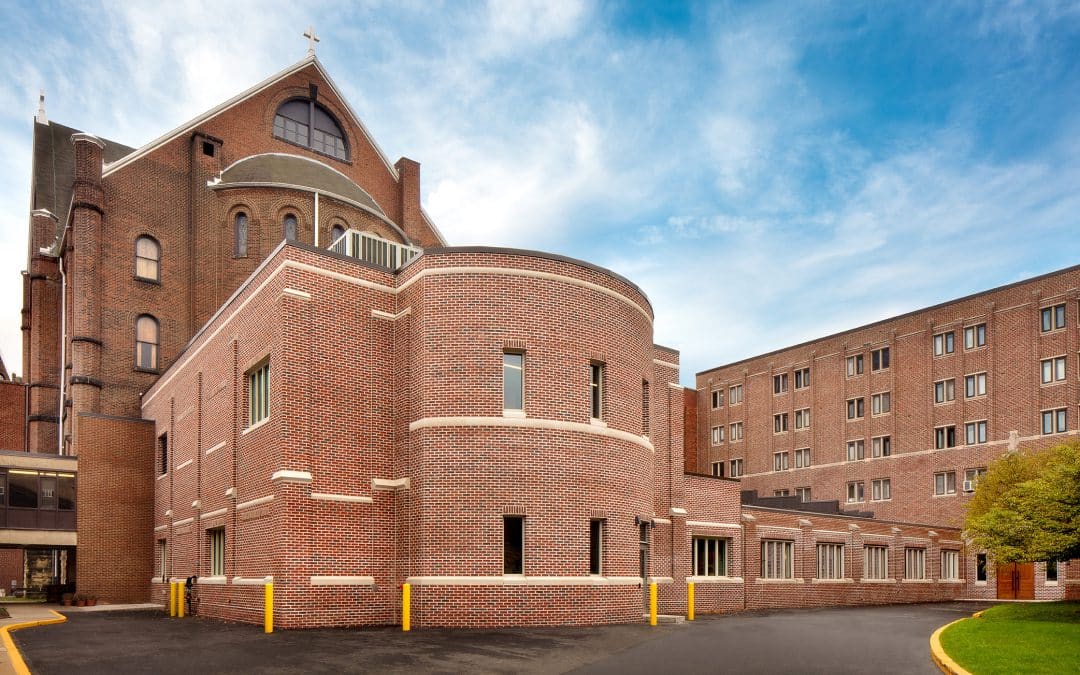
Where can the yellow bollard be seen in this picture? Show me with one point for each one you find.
(690, 601)
(268, 608)
(406, 607)
(172, 598)
(181, 598)
(652, 604)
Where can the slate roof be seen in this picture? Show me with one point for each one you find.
(54, 167)
(280, 169)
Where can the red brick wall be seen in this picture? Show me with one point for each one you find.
(114, 488)
(12, 416)
(12, 567)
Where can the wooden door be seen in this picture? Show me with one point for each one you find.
(1016, 581)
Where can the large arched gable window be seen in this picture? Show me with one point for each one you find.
(240, 235)
(147, 258)
(305, 122)
(147, 335)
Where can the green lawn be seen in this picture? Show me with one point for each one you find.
(1020, 638)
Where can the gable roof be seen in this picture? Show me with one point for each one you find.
(191, 124)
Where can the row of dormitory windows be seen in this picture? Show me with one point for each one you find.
(1051, 319)
(975, 432)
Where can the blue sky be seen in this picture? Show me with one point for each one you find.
(766, 172)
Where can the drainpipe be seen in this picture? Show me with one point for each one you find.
(316, 218)
(63, 344)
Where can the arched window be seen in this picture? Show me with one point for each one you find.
(305, 122)
(147, 258)
(289, 226)
(335, 233)
(146, 342)
(240, 235)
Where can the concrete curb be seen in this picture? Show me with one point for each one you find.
(13, 655)
(946, 664)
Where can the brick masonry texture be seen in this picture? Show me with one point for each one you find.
(387, 456)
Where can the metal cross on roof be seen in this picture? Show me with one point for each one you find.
(312, 39)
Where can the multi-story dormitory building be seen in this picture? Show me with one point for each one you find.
(901, 417)
(250, 354)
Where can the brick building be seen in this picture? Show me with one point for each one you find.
(901, 417)
(250, 354)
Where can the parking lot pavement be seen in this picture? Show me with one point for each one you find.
(891, 639)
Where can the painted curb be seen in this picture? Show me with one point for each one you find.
(16, 659)
(946, 664)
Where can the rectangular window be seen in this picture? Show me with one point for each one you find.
(216, 538)
(881, 403)
(65, 491)
(877, 562)
(596, 390)
(855, 365)
(945, 483)
(1054, 421)
(163, 454)
(735, 395)
(803, 493)
(718, 469)
(802, 418)
(777, 559)
(881, 446)
(513, 381)
(780, 493)
(259, 394)
(1051, 571)
(972, 478)
(513, 545)
(944, 391)
(856, 408)
(914, 563)
(645, 407)
(736, 431)
(1053, 318)
(780, 461)
(881, 489)
(944, 343)
(975, 432)
(23, 488)
(1053, 370)
(779, 423)
(950, 565)
(596, 546)
(717, 398)
(856, 450)
(779, 383)
(717, 435)
(802, 458)
(879, 359)
(856, 492)
(802, 378)
(945, 437)
(975, 385)
(975, 336)
(736, 467)
(980, 567)
(163, 561)
(830, 561)
(710, 555)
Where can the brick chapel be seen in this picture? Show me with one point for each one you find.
(249, 354)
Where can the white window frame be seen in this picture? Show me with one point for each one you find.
(881, 489)
(702, 547)
(802, 419)
(914, 563)
(881, 403)
(944, 483)
(945, 391)
(736, 432)
(780, 461)
(803, 493)
(1053, 369)
(780, 383)
(975, 432)
(856, 450)
(856, 365)
(856, 408)
(941, 437)
(802, 378)
(877, 562)
(717, 398)
(802, 458)
(718, 469)
(830, 560)
(717, 434)
(881, 446)
(975, 336)
(780, 423)
(950, 565)
(975, 385)
(883, 359)
(735, 394)
(777, 559)
(945, 343)
(856, 492)
(736, 466)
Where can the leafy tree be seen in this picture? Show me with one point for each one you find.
(1027, 507)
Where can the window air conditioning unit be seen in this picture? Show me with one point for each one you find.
(969, 486)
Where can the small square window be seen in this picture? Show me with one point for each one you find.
(945, 483)
(802, 378)
(944, 343)
(736, 467)
(1052, 318)
(856, 492)
(856, 450)
(975, 336)
(879, 359)
(856, 408)
(855, 365)
(802, 458)
(780, 383)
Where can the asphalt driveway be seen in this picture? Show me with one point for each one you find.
(893, 639)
